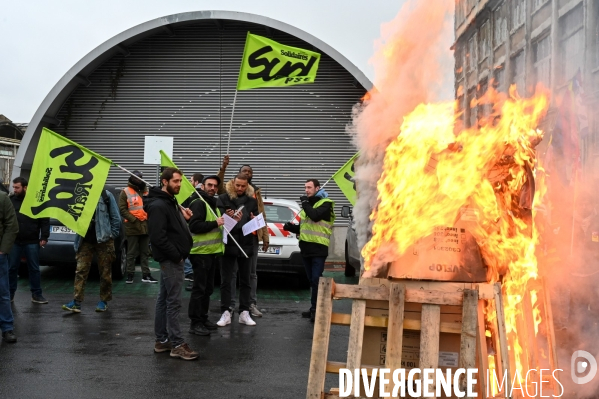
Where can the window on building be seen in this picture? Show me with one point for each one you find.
(538, 4)
(459, 61)
(485, 40)
(518, 13)
(500, 33)
(596, 34)
(542, 61)
(484, 108)
(471, 108)
(571, 43)
(471, 55)
(499, 78)
(518, 73)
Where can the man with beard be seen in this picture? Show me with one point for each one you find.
(207, 233)
(315, 229)
(238, 194)
(171, 243)
(136, 227)
(33, 234)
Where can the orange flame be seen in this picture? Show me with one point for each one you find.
(432, 171)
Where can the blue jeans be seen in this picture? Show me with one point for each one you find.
(6, 319)
(168, 304)
(187, 268)
(32, 253)
(314, 267)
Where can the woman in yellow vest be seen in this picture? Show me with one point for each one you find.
(315, 229)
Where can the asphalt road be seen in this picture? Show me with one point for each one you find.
(110, 355)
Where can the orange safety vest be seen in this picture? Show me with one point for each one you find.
(135, 204)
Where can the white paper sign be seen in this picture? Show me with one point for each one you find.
(253, 225)
(152, 147)
(229, 224)
(448, 359)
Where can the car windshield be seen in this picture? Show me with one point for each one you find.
(278, 213)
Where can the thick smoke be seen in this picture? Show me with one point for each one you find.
(413, 64)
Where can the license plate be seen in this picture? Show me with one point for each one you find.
(271, 250)
(61, 230)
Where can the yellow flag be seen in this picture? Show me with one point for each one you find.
(186, 188)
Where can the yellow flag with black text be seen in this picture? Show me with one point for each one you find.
(267, 63)
(66, 182)
(344, 178)
(186, 188)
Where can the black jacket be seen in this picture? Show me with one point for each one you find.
(323, 212)
(31, 231)
(198, 223)
(169, 234)
(230, 200)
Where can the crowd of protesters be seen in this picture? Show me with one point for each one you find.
(185, 239)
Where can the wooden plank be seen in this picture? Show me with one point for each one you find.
(356, 334)
(468, 334)
(550, 334)
(435, 297)
(481, 343)
(397, 298)
(429, 339)
(503, 347)
(379, 293)
(485, 290)
(333, 367)
(320, 340)
(344, 319)
(532, 347)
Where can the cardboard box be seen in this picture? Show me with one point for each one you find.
(449, 254)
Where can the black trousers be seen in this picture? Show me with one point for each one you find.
(204, 267)
(226, 275)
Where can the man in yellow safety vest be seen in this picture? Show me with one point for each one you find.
(136, 228)
(315, 229)
(207, 233)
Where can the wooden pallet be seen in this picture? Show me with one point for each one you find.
(472, 328)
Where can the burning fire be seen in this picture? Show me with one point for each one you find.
(433, 172)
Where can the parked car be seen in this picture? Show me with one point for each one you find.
(59, 250)
(352, 252)
(283, 254)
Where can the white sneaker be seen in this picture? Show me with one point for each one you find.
(224, 319)
(254, 310)
(244, 318)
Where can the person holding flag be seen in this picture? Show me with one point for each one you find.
(171, 244)
(315, 230)
(207, 234)
(104, 228)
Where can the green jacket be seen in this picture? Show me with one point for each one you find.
(133, 226)
(9, 226)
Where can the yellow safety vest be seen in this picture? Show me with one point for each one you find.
(210, 243)
(317, 232)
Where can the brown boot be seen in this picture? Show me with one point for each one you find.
(184, 352)
(160, 347)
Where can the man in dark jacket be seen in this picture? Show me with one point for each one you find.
(136, 228)
(315, 229)
(238, 193)
(33, 234)
(171, 243)
(208, 247)
(9, 228)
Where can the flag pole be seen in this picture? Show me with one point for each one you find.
(231, 123)
(120, 167)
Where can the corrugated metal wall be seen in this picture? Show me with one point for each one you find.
(183, 86)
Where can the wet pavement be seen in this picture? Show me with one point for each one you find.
(110, 355)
